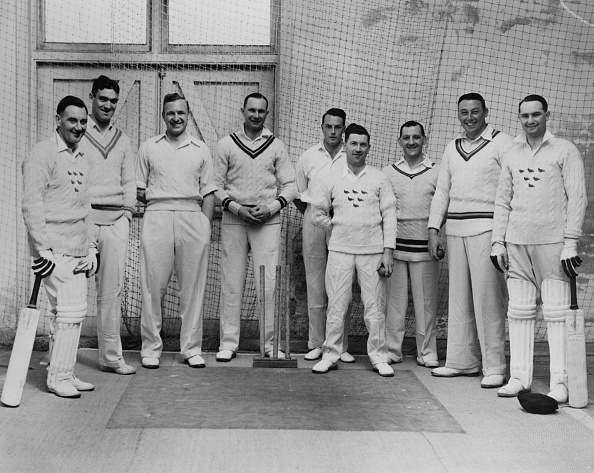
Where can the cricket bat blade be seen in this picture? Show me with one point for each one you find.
(577, 377)
(16, 375)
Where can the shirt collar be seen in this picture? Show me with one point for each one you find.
(323, 149)
(426, 162)
(189, 140)
(265, 134)
(487, 134)
(62, 146)
(521, 138)
(93, 124)
(346, 170)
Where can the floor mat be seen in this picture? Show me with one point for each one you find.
(284, 399)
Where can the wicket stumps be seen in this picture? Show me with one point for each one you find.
(275, 362)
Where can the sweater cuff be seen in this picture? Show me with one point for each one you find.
(231, 206)
(572, 233)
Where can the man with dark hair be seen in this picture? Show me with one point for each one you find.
(328, 153)
(174, 176)
(113, 197)
(363, 238)
(255, 181)
(413, 178)
(539, 212)
(465, 197)
(57, 214)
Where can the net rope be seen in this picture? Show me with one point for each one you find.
(383, 62)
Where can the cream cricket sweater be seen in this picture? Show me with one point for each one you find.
(112, 161)
(253, 172)
(364, 210)
(542, 194)
(56, 201)
(413, 192)
(467, 184)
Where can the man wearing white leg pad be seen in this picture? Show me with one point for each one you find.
(539, 212)
(555, 303)
(56, 211)
(521, 315)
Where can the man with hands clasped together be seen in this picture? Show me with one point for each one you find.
(539, 211)
(255, 181)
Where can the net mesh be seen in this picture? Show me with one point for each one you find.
(383, 62)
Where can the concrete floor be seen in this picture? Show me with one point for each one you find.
(50, 434)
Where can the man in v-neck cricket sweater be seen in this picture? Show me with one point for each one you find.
(113, 197)
(413, 178)
(255, 181)
(465, 198)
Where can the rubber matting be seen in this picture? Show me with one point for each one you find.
(283, 399)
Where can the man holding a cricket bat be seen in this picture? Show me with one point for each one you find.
(57, 214)
(539, 211)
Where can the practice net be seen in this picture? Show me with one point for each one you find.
(383, 62)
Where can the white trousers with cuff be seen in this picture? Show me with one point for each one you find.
(112, 245)
(171, 240)
(315, 257)
(340, 271)
(477, 306)
(237, 239)
(424, 282)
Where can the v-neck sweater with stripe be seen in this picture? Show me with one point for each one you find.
(414, 192)
(251, 173)
(113, 184)
(467, 185)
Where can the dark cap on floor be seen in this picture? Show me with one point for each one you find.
(537, 403)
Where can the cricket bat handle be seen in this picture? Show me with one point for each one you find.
(577, 374)
(20, 357)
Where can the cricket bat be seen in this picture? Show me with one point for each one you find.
(577, 381)
(16, 376)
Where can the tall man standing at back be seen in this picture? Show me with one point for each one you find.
(113, 196)
(539, 212)
(174, 176)
(465, 196)
(255, 180)
(328, 153)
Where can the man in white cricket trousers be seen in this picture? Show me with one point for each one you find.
(363, 225)
(327, 153)
(255, 181)
(539, 212)
(465, 197)
(174, 176)
(413, 178)
(57, 214)
(113, 197)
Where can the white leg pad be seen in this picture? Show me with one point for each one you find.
(555, 303)
(521, 318)
(71, 310)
